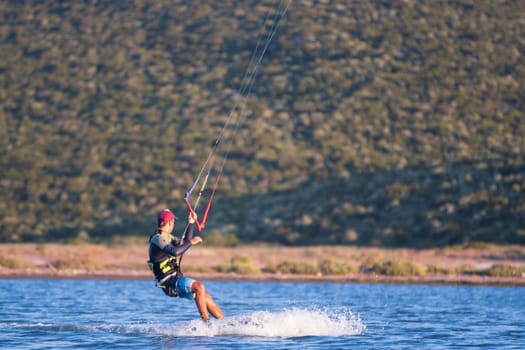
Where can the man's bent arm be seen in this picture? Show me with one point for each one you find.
(177, 250)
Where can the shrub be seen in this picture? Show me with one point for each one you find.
(12, 263)
(398, 268)
(239, 264)
(298, 267)
(76, 263)
(369, 263)
(332, 267)
(439, 270)
(505, 270)
(197, 268)
(466, 269)
(220, 239)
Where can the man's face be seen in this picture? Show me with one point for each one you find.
(171, 225)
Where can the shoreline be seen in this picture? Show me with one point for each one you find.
(480, 264)
(364, 278)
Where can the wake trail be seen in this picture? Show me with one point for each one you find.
(288, 323)
(294, 322)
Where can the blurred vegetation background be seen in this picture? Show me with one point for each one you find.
(392, 123)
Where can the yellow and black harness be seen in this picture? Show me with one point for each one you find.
(165, 268)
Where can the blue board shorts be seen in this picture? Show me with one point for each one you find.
(183, 287)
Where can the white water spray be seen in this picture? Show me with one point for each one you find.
(294, 322)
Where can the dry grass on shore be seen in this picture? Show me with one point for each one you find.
(475, 263)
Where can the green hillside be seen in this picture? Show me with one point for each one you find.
(370, 122)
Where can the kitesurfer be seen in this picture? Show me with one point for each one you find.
(163, 252)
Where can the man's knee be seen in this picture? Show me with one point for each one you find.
(197, 287)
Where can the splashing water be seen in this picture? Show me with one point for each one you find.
(287, 323)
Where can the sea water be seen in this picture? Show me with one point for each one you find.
(133, 314)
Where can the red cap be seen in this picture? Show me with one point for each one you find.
(165, 216)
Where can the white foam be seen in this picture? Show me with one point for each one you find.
(288, 323)
(294, 322)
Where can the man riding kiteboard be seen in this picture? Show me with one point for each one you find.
(163, 252)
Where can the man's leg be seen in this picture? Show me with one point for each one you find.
(200, 299)
(205, 302)
(212, 307)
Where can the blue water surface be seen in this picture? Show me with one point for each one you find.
(132, 314)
